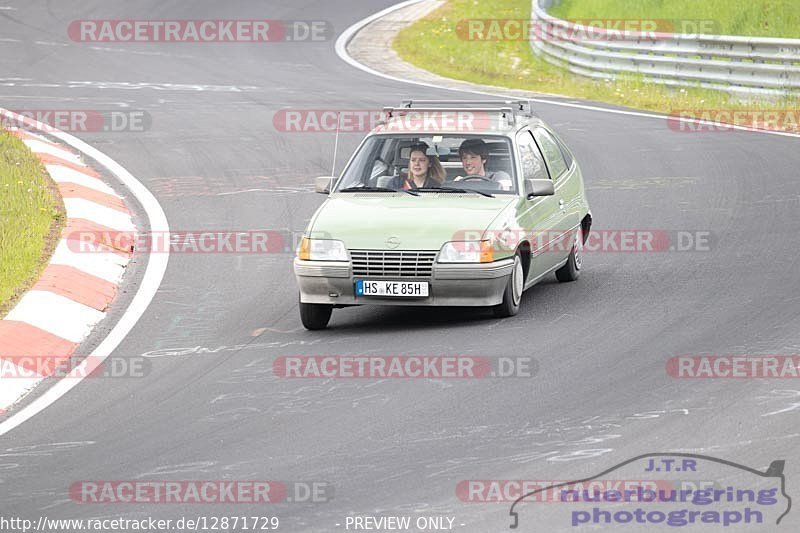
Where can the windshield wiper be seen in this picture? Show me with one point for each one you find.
(456, 189)
(377, 189)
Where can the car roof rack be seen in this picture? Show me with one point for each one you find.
(510, 109)
(521, 105)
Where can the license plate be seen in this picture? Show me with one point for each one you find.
(413, 289)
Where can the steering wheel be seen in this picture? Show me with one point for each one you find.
(469, 177)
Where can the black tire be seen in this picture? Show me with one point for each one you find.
(513, 293)
(572, 269)
(315, 316)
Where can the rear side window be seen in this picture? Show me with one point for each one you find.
(552, 153)
(568, 157)
(530, 158)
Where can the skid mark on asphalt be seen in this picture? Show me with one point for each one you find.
(231, 415)
(181, 468)
(370, 399)
(749, 444)
(181, 186)
(140, 52)
(95, 102)
(193, 319)
(44, 450)
(781, 395)
(260, 331)
(642, 182)
(133, 86)
(497, 447)
(204, 350)
(581, 454)
(56, 503)
(275, 190)
(169, 186)
(232, 397)
(656, 414)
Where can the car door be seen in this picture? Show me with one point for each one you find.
(572, 189)
(539, 217)
(567, 187)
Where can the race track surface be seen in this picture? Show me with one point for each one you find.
(210, 407)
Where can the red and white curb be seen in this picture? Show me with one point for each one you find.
(154, 219)
(73, 293)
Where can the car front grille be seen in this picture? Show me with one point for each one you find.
(401, 263)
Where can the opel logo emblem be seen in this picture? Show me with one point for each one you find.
(392, 242)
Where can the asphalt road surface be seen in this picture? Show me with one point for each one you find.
(210, 407)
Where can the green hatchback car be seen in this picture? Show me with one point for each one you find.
(449, 204)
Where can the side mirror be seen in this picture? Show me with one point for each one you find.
(539, 188)
(323, 184)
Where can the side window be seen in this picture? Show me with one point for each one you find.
(552, 153)
(568, 157)
(530, 158)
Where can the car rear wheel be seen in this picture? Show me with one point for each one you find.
(572, 270)
(513, 292)
(315, 316)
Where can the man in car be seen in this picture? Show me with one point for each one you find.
(474, 155)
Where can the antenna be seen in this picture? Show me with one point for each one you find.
(335, 144)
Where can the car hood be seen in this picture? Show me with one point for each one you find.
(422, 222)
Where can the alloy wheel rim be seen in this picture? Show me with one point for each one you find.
(516, 282)
(577, 250)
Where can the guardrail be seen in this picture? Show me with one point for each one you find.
(737, 64)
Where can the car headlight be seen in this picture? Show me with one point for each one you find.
(321, 250)
(467, 252)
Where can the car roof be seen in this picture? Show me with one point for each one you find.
(473, 117)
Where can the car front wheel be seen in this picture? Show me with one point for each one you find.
(315, 316)
(513, 292)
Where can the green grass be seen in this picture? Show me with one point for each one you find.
(433, 43)
(765, 18)
(31, 217)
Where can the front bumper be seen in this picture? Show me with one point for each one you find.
(332, 282)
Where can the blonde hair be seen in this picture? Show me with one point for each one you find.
(435, 170)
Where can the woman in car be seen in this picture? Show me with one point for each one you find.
(424, 171)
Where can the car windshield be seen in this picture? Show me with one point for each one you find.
(446, 163)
